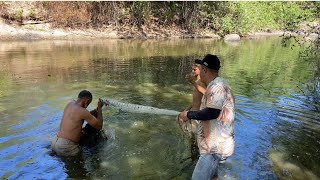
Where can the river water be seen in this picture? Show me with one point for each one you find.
(276, 87)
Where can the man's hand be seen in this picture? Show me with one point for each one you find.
(182, 117)
(100, 103)
(190, 78)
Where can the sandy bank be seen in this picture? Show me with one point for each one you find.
(44, 31)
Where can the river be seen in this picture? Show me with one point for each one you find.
(277, 125)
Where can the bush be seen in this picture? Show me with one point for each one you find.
(68, 14)
(243, 17)
(4, 11)
(220, 17)
(32, 14)
(19, 15)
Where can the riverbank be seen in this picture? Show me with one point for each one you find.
(44, 31)
(152, 20)
(33, 30)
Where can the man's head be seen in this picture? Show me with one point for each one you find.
(86, 97)
(210, 65)
(196, 69)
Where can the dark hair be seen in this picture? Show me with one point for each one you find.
(85, 93)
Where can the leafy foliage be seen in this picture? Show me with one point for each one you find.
(219, 17)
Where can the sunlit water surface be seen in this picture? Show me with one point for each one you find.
(277, 126)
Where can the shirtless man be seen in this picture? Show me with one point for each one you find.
(198, 91)
(66, 142)
(199, 87)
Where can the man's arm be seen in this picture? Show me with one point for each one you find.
(93, 121)
(212, 110)
(99, 111)
(94, 112)
(199, 86)
(203, 115)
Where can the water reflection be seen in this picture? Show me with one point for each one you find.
(296, 149)
(277, 124)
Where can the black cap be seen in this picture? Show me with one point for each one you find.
(210, 61)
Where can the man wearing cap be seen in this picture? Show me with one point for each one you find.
(215, 131)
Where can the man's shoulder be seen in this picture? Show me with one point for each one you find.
(219, 81)
(218, 85)
(75, 107)
(72, 104)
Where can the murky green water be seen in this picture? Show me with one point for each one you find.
(277, 100)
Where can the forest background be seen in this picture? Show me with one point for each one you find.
(149, 19)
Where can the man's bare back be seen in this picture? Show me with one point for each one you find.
(66, 142)
(71, 122)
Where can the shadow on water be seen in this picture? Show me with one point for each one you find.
(26, 154)
(276, 127)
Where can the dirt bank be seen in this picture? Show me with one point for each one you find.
(44, 31)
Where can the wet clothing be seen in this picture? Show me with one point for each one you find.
(216, 136)
(91, 136)
(207, 167)
(64, 147)
(190, 129)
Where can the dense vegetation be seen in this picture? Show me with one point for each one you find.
(218, 17)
